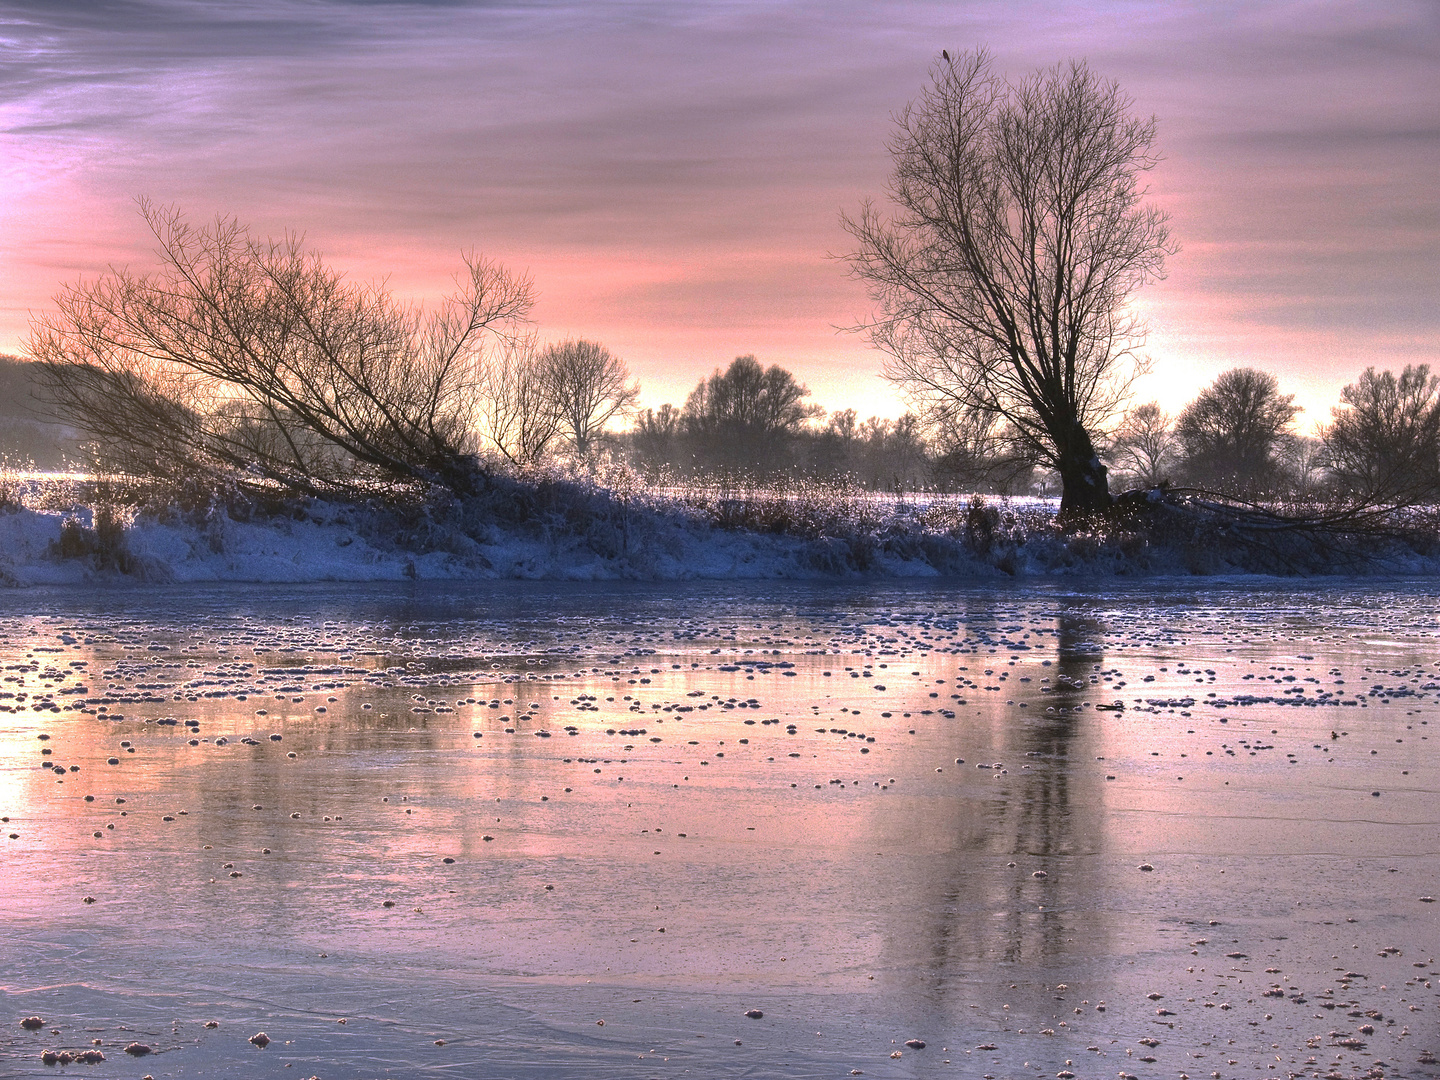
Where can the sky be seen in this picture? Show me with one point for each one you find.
(673, 174)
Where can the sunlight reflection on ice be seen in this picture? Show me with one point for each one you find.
(874, 812)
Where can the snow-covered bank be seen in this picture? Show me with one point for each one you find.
(582, 533)
(331, 545)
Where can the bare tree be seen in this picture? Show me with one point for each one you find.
(589, 387)
(833, 450)
(1233, 430)
(1003, 277)
(906, 461)
(1144, 445)
(748, 399)
(844, 426)
(746, 417)
(977, 450)
(1302, 462)
(521, 416)
(1385, 441)
(158, 367)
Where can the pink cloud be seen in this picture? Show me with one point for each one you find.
(673, 174)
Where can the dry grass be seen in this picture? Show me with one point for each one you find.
(838, 529)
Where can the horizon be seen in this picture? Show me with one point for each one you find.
(674, 179)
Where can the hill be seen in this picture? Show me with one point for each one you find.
(30, 436)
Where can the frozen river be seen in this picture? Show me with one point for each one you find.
(540, 830)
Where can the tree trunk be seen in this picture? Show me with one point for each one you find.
(1085, 487)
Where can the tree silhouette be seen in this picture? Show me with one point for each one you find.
(745, 416)
(589, 387)
(249, 356)
(1231, 431)
(1018, 236)
(1385, 439)
(1144, 445)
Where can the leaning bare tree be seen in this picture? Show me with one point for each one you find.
(1018, 236)
(589, 386)
(254, 357)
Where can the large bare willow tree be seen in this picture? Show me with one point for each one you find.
(252, 358)
(1003, 275)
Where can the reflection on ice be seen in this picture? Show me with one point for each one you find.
(406, 831)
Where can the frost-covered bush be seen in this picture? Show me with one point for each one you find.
(554, 522)
(100, 540)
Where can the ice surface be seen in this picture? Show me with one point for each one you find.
(973, 878)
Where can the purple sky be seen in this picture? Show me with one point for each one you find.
(672, 174)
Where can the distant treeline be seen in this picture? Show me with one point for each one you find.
(249, 364)
(754, 422)
(757, 423)
(1238, 437)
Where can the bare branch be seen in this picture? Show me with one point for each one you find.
(1002, 278)
(249, 354)
(589, 387)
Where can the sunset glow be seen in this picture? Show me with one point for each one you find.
(673, 175)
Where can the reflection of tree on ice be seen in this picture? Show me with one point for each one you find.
(1016, 881)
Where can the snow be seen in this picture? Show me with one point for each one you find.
(334, 546)
(597, 537)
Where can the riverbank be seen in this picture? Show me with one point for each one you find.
(71, 533)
